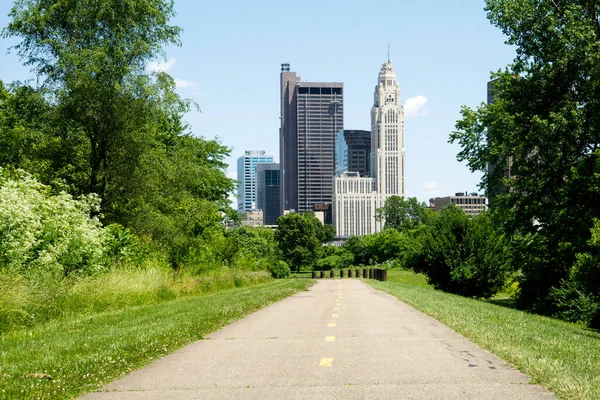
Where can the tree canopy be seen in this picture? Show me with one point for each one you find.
(544, 125)
(402, 214)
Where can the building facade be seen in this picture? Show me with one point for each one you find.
(357, 198)
(246, 175)
(353, 152)
(311, 114)
(472, 203)
(252, 218)
(268, 191)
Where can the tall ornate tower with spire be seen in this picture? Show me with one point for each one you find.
(387, 135)
(357, 198)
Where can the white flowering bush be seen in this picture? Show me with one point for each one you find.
(42, 230)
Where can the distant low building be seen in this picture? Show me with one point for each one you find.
(471, 203)
(323, 212)
(253, 218)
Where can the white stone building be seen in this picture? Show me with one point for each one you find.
(356, 198)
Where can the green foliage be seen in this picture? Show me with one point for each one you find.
(42, 231)
(543, 127)
(377, 248)
(403, 215)
(462, 255)
(280, 269)
(577, 298)
(297, 238)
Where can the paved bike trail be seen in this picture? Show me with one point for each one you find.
(342, 339)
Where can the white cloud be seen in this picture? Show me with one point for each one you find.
(432, 188)
(415, 106)
(182, 83)
(163, 66)
(430, 185)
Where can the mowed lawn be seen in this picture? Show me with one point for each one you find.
(66, 358)
(563, 357)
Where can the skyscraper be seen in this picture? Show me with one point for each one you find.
(246, 175)
(311, 114)
(387, 134)
(356, 198)
(353, 152)
(268, 191)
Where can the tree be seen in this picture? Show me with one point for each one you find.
(544, 123)
(297, 239)
(94, 56)
(325, 232)
(401, 214)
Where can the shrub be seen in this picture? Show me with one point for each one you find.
(280, 269)
(462, 255)
(42, 230)
(577, 298)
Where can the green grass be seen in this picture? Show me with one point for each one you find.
(82, 354)
(40, 298)
(561, 356)
(408, 277)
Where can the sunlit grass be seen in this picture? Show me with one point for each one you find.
(27, 302)
(78, 355)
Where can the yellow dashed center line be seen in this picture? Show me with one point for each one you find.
(331, 324)
(325, 362)
(336, 309)
(330, 339)
(335, 315)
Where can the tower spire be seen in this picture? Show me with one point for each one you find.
(389, 52)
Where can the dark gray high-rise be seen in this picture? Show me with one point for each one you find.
(311, 114)
(268, 191)
(353, 152)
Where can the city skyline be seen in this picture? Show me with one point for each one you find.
(443, 53)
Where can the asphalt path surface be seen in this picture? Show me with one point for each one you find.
(341, 339)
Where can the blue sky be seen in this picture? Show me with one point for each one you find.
(229, 63)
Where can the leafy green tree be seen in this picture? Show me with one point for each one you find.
(94, 56)
(402, 215)
(462, 255)
(543, 124)
(325, 232)
(296, 236)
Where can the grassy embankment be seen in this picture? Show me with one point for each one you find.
(70, 356)
(561, 356)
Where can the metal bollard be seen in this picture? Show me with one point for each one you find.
(331, 274)
(370, 273)
(378, 274)
(349, 273)
(314, 274)
(384, 276)
(357, 273)
(341, 273)
(322, 274)
(365, 273)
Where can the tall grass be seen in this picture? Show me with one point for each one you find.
(28, 301)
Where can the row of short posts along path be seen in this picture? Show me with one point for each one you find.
(370, 273)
